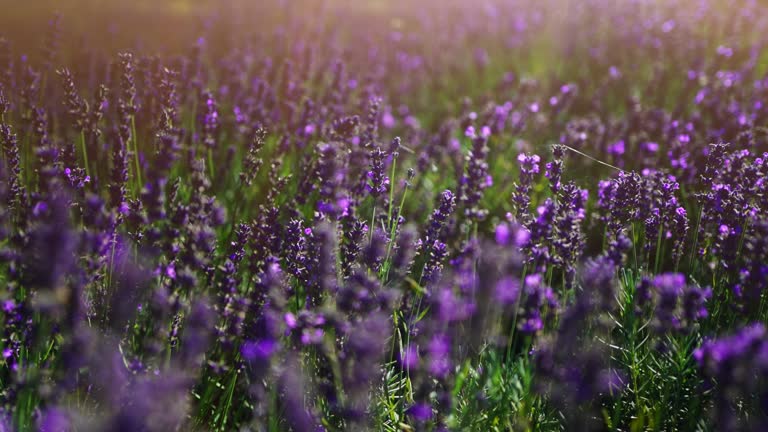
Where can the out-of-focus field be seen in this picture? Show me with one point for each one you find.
(113, 22)
(422, 215)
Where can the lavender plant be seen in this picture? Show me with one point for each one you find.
(345, 216)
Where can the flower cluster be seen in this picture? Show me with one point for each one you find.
(315, 216)
(739, 365)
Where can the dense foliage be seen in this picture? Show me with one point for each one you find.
(492, 215)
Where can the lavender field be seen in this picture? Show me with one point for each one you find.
(336, 215)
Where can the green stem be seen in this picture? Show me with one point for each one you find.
(391, 193)
(658, 249)
(135, 140)
(85, 153)
(372, 227)
(513, 330)
(110, 269)
(634, 245)
(210, 162)
(27, 163)
(230, 394)
(695, 242)
(394, 227)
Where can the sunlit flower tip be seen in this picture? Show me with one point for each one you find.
(409, 359)
(9, 305)
(533, 280)
(522, 236)
(485, 132)
(454, 144)
(388, 120)
(40, 208)
(651, 147)
(311, 337)
(420, 411)
(290, 320)
(503, 234)
(531, 325)
(258, 350)
(470, 132)
(507, 290)
(724, 51)
(170, 271)
(54, 419)
(617, 148)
